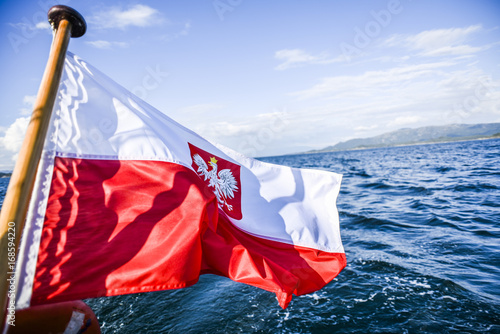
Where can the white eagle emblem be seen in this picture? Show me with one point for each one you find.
(224, 183)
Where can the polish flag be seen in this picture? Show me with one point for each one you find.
(127, 200)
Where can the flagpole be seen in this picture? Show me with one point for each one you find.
(66, 22)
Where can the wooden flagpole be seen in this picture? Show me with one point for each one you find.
(66, 23)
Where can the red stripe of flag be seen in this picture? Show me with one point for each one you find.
(115, 227)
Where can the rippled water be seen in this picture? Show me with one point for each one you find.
(420, 226)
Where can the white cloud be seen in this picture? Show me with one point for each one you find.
(14, 135)
(43, 25)
(31, 28)
(370, 82)
(439, 42)
(249, 126)
(297, 57)
(201, 108)
(403, 84)
(453, 51)
(136, 16)
(252, 136)
(28, 102)
(11, 137)
(366, 128)
(404, 120)
(196, 114)
(432, 39)
(11, 142)
(413, 95)
(225, 129)
(100, 44)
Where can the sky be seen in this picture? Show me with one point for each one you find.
(271, 77)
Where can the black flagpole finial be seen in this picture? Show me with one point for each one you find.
(59, 12)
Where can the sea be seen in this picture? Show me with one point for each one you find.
(421, 231)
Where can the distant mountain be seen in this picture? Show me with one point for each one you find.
(428, 134)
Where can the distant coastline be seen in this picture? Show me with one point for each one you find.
(399, 138)
(418, 136)
(405, 144)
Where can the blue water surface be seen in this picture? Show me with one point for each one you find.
(421, 230)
